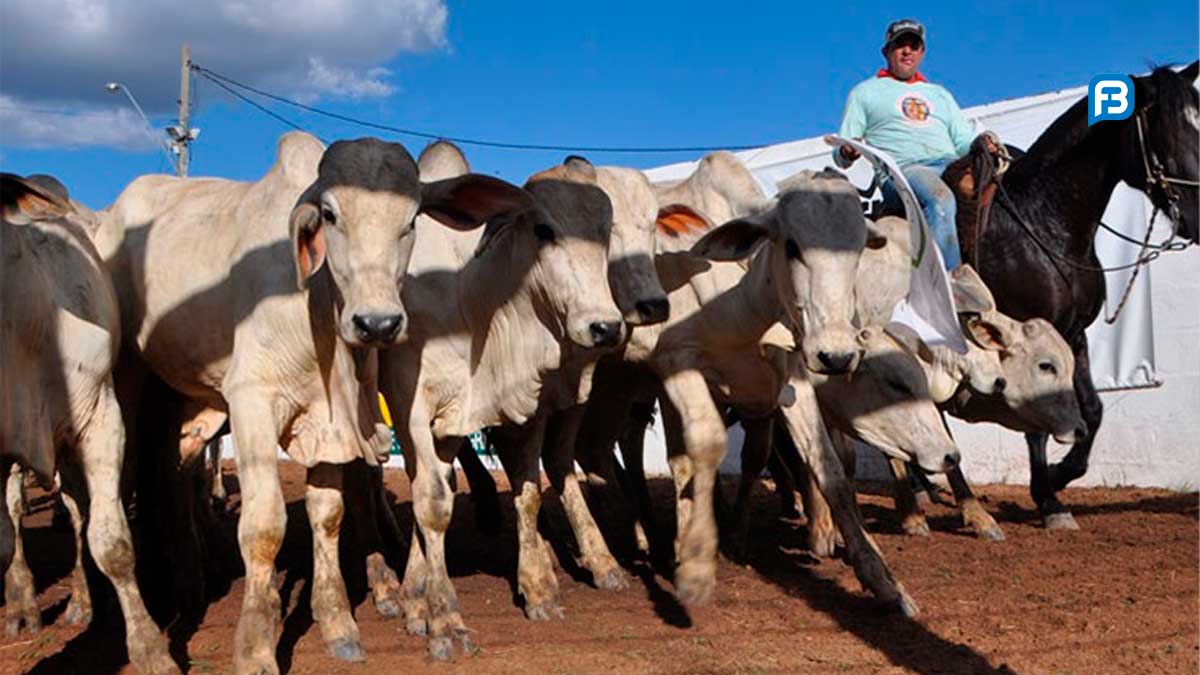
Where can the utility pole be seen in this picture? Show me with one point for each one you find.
(185, 136)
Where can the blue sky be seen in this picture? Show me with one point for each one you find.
(614, 73)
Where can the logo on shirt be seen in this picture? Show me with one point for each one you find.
(1110, 97)
(915, 108)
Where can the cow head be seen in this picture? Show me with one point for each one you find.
(887, 403)
(357, 220)
(816, 232)
(1034, 389)
(631, 271)
(561, 250)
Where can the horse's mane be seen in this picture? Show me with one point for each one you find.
(1067, 132)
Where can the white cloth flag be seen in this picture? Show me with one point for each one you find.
(929, 308)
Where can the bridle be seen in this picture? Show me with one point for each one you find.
(1156, 176)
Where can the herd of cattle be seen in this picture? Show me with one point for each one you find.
(551, 314)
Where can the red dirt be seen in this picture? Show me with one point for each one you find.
(1120, 596)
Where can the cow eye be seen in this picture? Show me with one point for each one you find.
(900, 386)
(543, 232)
(1047, 367)
(328, 215)
(792, 250)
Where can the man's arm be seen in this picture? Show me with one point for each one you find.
(854, 125)
(962, 132)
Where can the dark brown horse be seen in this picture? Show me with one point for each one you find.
(1036, 251)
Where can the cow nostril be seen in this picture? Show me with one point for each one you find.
(605, 333)
(1000, 384)
(378, 327)
(656, 309)
(836, 363)
(952, 459)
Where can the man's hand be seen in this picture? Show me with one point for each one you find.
(990, 141)
(848, 153)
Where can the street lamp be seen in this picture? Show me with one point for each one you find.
(114, 87)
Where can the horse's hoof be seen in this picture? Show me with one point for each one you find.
(1061, 521)
(907, 606)
(347, 650)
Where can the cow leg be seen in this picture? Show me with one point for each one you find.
(536, 581)
(367, 506)
(785, 485)
(912, 516)
(433, 506)
(559, 460)
(803, 420)
(974, 515)
(484, 496)
(632, 445)
(702, 431)
(9, 526)
(218, 484)
(822, 535)
(330, 605)
(19, 591)
(261, 527)
(755, 449)
(79, 608)
(100, 456)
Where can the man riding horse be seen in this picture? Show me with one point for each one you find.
(918, 123)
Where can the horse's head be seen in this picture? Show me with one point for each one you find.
(1161, 145)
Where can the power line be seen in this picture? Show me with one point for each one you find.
(205, 73)
(227, 82)
(51, 111)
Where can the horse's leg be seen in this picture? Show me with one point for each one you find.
(1075, 464)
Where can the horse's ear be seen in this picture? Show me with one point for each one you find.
(1191, 72)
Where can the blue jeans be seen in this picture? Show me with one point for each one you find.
(937, 201)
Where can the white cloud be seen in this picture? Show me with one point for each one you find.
(32, 125)
(68, 49)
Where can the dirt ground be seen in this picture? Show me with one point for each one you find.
(1121, 596)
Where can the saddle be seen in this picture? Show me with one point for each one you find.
(974, 178)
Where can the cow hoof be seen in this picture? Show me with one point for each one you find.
(444, 648)
(695, 591)
(387, 607)
(993, 533)
(12, 627)
(916, 527)
(77, 614)
(346, 649)
(1061, 521)
(613, 580)
(907, 606)
(417, 626)
(544, 611)
(822, 546)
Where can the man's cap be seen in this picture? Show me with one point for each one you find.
(896, 29)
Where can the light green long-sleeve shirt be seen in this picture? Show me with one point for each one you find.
(914, 122)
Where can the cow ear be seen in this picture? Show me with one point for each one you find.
(987, 334)
(25, 202)
(971, 295)
(681, 221)
(466, 202)
(876, 239)
(307, 230)
(734, 240)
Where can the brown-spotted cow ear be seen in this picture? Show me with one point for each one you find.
(308, 240)
(987, 334)
(25, 201)
(679, 221)
(734, 240)
(466, 202)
